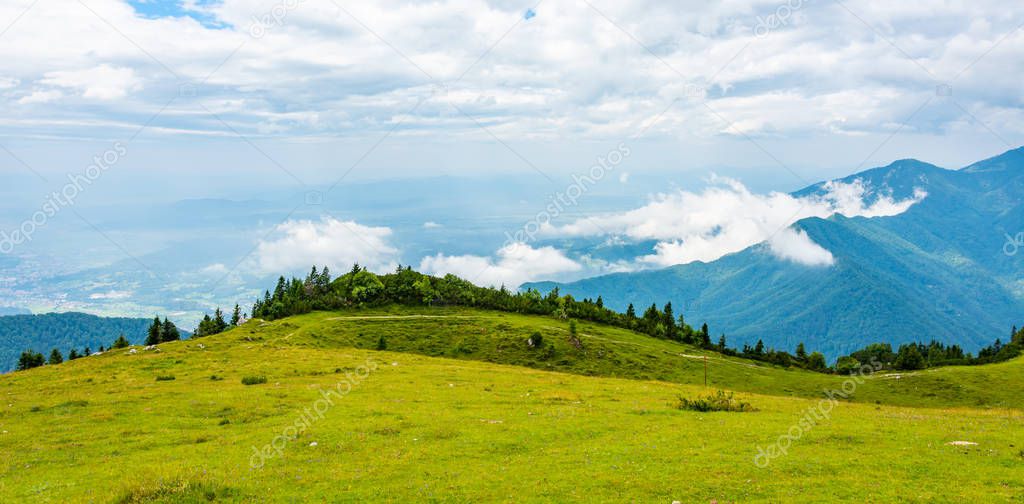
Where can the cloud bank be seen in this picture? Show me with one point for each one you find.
(512, 265)
(727, 218)
(297, 244)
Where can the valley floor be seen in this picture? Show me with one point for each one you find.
(338, 424)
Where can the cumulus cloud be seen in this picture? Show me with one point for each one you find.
(111, 295)
(298, 244)
(512, 265)
(431, 225)
(727, 217)
(818, 70)
(40, 96)
(103, 82)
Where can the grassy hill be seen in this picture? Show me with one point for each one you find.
(405, 426)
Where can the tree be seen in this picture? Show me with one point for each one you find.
(909, 358)
(801, 352)
(121, 342)
(55, 357)
(87, 352)
(574, 337)
(630, 312)
(30, 359)
(382, 344)
(669, 321)
(721, 343)
(816, 362)
(759, 348)
(153, 336)
(73, 354)
(169, 332)
(705, 336)
(236, 315)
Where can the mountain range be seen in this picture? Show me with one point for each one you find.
(946, 269)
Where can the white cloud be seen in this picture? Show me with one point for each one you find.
(8, 82)
(300, 244)
(431, 225)
(727, 218)
(40, 96)
(822, 70)
(103, 82)
(794, 245)
(215, 269)
(111, 295)
(513, 265)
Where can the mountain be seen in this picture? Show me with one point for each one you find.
(62, 331)
(936, 271)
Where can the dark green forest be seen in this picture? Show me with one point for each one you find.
(63, 331)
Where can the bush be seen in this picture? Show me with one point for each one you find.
(254, 380)
(535, 340)
(165, 378)
(719, 401)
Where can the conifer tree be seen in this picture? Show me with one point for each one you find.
(153, 336)
(55, 357)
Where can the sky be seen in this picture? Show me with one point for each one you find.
(682, 105)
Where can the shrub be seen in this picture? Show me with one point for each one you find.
(535, 340)
(216, 378)
(165, 378)
(382, 344)
(719, 401)
(254, 380)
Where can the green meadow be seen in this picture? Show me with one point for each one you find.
(457, 407)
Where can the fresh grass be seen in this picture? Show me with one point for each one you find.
(415, 428)
(499, 337)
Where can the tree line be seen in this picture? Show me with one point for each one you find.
(915, 356)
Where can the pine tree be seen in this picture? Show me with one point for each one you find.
(121, 342)
(236, 316)
(169, 332)
(669, 320)
(73, 354)
(705, 336)
(721, 343)
(218, 320)
(30, 359)
(153, 336)
(55, 357)
(87, 352)
(759, 348)
(801, 352)
(631, 312)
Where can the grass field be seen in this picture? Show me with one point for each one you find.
(403, 427)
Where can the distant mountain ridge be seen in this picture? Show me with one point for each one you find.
(937, 271)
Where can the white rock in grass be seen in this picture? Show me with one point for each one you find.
(313, 443)
(962, 443)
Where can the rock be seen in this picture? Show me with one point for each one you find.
(962, 443)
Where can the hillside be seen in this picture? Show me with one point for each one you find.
(936, 271)
(415, 428)
(62, 331)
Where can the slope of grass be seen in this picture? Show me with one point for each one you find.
(499, 337)
(417, 428)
